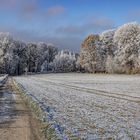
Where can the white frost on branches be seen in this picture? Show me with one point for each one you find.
(127, 39)
(65, 61)
(117, 51)
(113, 51)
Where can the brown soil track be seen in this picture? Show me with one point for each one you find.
(21, 125)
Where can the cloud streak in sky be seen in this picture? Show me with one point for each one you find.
(55, 10)
(63, 22)
(93, 26)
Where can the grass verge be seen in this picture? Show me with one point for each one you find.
(46, 128)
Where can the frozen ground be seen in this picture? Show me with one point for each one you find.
(89, 106)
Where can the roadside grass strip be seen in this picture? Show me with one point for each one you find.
(51, 129)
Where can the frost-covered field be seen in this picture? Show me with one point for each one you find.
(89, 106)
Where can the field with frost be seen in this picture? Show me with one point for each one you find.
(88, 106)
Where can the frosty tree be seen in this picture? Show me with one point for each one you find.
(113, 51)
(64, 61)
(116, 51)
(8, 60)
(20, 50)
(108, 48)
(17, 57)
(90, 54)
(127, 39)
(47, 55)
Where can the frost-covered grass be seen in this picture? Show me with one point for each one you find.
(88, 106)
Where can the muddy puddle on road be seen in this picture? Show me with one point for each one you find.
(6, 105)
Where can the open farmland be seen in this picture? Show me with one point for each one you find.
(88, 106)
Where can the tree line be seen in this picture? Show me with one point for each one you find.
(112, 51)
(17, 57)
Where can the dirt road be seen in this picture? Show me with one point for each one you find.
(16, 119)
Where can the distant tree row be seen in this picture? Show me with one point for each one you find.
(113, 51)
(64, 61)
(18, 58)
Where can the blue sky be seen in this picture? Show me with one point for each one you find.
(65, 23)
